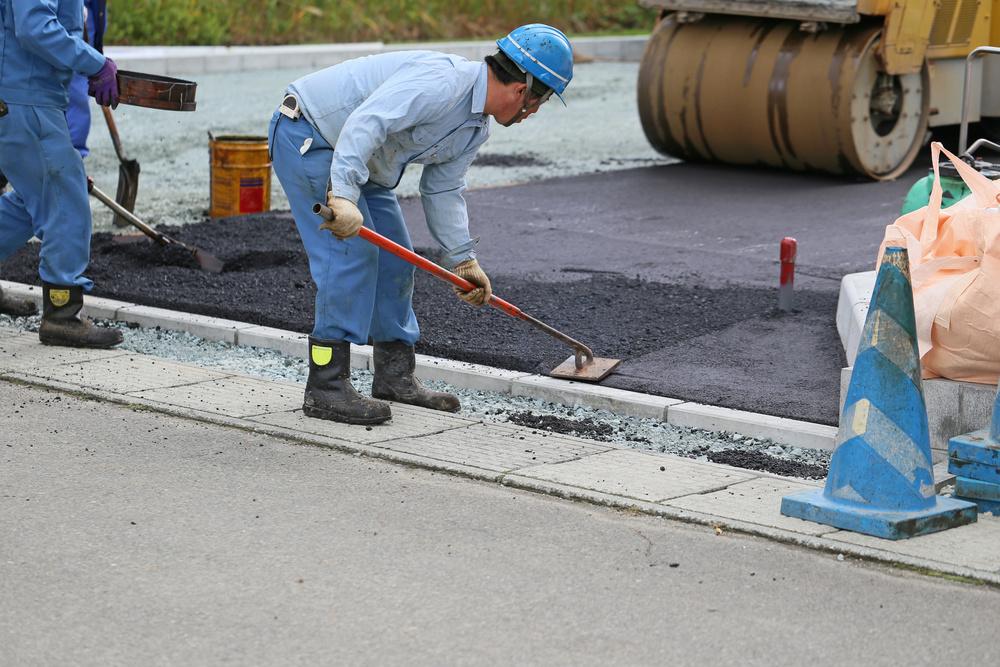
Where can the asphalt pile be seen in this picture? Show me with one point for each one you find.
(266, 282)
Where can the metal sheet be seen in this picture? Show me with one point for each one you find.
(835, 11)
(593, 372)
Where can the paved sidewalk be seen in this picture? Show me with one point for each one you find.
(564, 466)
(132, 537)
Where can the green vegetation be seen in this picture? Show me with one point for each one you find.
(232, 22)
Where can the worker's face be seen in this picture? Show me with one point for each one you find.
(519, 103)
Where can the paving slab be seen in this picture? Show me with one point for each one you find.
(497, 447)
(976, 545)
(127, 373)
(639, 475)
(756, 501)
(407, 421)
(25, 353)
(231, 396)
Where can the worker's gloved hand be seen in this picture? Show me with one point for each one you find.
(471, 271)
(347, 219)
(104, 85)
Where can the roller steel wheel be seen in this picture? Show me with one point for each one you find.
(758, 91)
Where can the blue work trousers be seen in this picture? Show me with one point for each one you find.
(49, 197)
(361, 291)
(78, 113)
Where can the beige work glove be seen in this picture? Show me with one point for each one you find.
(471, 271)
(347, 219)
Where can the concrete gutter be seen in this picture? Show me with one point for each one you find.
(716, 496)
(189, 60)
(474, 376)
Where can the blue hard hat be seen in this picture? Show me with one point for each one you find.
(543, 52)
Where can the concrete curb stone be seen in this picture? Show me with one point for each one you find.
(191, 60)
(484, 378)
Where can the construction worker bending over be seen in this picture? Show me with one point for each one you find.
(345, 135)
(42, 45)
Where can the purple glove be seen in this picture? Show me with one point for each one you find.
(104, 85)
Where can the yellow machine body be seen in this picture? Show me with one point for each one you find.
(843, 86)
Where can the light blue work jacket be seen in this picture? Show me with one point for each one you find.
(386, 111)
(41, 45)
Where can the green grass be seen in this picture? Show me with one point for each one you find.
(246, 22)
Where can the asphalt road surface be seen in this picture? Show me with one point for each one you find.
(131, 537)
(672, 269)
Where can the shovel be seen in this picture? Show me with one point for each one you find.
(206, 262)
(128, 172)
(583, 365)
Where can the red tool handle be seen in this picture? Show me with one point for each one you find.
(584, 356)
(423, 263)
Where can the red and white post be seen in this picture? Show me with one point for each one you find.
(786, 290)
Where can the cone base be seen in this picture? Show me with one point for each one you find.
(813, 506)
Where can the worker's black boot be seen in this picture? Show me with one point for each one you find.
(394, 381)
(63, 323)
(15, 307)
(329, 392)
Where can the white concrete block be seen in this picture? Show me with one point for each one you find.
(757, 501)
(22, 291)
(779, 429)
(977, 405)
(852, 309)
(185, 65)
(638, 475)
(944, 411)
(619, 401)
(210, 328)
(466, 375)
(287, 342)
(258, 60)
(104, 309)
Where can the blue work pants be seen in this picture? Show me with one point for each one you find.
(49, 197)
(361, 291)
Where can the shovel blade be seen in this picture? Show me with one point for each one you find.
(208, 262)
(128, 189)
(595, 371)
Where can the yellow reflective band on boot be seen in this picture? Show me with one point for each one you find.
(59, 297)
(321, 355)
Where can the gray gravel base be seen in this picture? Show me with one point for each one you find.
(599, 425)
(599, 130)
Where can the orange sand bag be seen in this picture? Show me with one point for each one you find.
(955, 266)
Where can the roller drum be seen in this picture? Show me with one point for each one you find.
(762, 92)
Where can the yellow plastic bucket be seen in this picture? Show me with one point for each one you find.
(240, 175)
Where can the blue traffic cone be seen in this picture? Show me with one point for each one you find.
(881, 479)
(975, 459)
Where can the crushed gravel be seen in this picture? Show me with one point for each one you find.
(599, 425)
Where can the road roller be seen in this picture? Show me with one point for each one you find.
(840, 86)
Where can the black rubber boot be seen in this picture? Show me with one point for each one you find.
(63, 323)
(329, 392)
(394, 381)
(15, 307)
